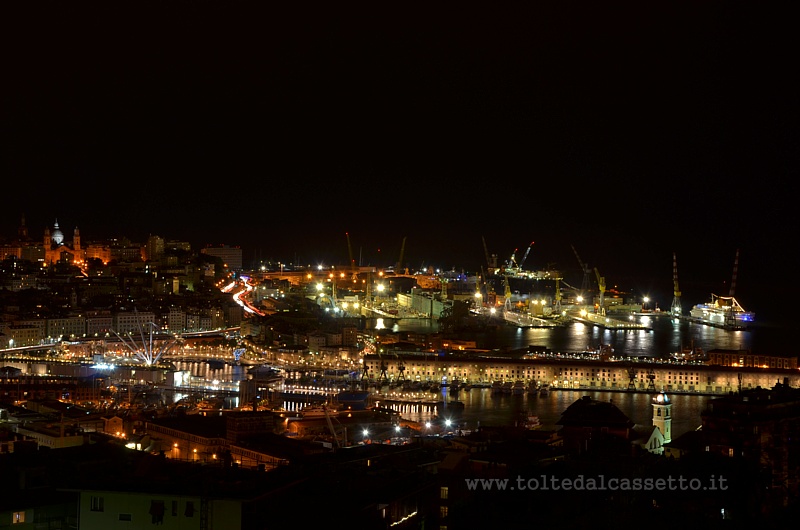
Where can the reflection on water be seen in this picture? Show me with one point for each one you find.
(482, 407)
(667, 335)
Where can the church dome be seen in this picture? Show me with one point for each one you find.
(56, 236)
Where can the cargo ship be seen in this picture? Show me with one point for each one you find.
(722, 312)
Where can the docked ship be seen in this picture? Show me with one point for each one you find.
(318, 411)
(691, 353)
(722, 312)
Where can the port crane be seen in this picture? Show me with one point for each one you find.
(730, 317)
(676, 292)
(524, 257)
(735, 271)
(513, 260)
(601, 286)
(491, 259)
(507, 303)
(353, 267)
(398, 266)
(587, 271)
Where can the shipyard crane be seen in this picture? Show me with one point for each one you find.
(601, 285)
(676, 292)
(528, 251)
(730, 316)
(399, 264)
(557, 307)
(587, 271)
(491, 259)
(353, 267)
(735, 271)
(507, 303)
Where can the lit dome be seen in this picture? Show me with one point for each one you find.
(56, 236)
(661, 398)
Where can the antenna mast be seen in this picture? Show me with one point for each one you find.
(735, 271)
(676, 299)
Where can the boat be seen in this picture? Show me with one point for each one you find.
(532, 422)
(723, 312)
(518, 388)
(318, 411)
(455, 384)
(497, 387)
(450, 406)
(690, 353)
(544, 390)
(265, 371)
(353, 399)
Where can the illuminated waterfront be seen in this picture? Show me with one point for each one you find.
(667, 335)
(483, 408)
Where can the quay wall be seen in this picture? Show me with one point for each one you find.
(581, 373)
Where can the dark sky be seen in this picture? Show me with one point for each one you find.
(630, 131)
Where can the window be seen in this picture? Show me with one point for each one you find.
(125, 517)
(157, 511)
(97, 504)
(189, 509)
(443, 491)
(442, 511)
(18, 517)
(174, 508)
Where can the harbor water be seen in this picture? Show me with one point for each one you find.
(481, 407)
(664, 336)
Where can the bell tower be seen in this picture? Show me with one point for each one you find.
(662, 415)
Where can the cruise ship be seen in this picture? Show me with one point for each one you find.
(722, 312)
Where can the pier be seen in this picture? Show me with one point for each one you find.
(607, 322)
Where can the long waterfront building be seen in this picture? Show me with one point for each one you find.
(562, 371)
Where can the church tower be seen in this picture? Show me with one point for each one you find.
(76, 239)
(22, 231)
(662, 415)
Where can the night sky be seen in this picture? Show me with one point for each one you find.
(628, 131)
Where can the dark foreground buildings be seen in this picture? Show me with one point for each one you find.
(738, 469)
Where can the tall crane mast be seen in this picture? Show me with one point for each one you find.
(528, 251)
(353, 267)
(587, 271)
(730, 318)
(507, 302)
(735, 272)
(601, 285)
(491, 259)
(676, 292)
(557, 307)
(399, 264)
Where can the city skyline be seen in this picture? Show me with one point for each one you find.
(628, 134)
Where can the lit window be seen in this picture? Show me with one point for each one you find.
(443, 491)
(18, 517)
(97, 504)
